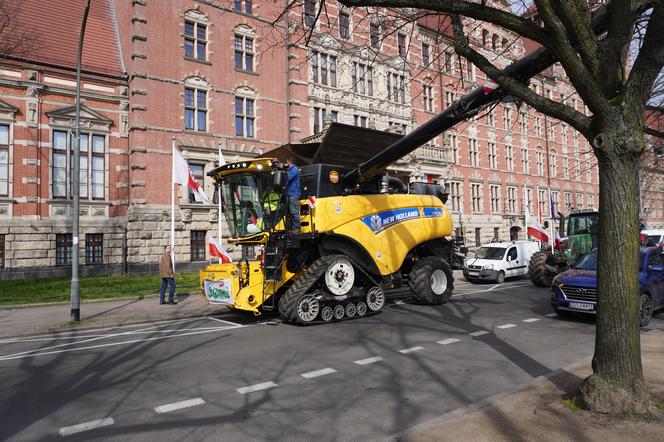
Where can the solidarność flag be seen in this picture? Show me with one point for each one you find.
(216, 250)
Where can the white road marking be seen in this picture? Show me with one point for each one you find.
(479, 333)
(506, 326)
(179, 405)
(224, 321)
(86, 426)
(399, 302)
(410, 350)
(551, 315)
(256, 387)
(32, 353)
(368, 361)
(65, 334)
(531, 320)
(448, 341)
(316, 373)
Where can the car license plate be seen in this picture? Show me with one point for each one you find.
(473, 273)
(581, 305)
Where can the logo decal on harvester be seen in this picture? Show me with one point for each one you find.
(432, 212)
(383, 220)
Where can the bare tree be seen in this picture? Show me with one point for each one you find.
(615, 92)
(16, 39)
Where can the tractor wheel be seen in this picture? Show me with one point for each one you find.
(431, 280)
(539, 274)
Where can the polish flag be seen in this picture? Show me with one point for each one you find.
(489, 87)
(216, 250)
(537, 231)
(184, 176)
(311, 201)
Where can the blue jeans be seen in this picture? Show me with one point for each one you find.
(171, 292)
(294, 206)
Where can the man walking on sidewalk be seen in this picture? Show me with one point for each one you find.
(167, 277)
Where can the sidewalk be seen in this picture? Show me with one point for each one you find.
(537, 413)
(27, 320)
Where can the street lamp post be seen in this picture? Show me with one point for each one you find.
(75, 282)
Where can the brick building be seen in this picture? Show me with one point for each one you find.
(218, 74)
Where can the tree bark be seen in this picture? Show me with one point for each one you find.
(617, 385)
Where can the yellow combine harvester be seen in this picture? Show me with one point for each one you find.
(357, 237)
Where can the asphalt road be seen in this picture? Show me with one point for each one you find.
(236, 377)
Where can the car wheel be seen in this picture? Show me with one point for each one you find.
(645, 309)
(501, 277)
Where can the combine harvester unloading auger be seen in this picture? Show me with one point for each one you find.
(362, 230)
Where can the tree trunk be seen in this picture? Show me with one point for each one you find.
(617, 385)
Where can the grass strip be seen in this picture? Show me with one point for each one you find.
(44, 290)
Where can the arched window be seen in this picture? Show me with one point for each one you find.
(196, 104)
(195, 35)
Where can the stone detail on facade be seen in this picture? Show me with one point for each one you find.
(186, 215)
(138, 166)
(214, 215)
(30, 162)
(30, 180)
(139, 107)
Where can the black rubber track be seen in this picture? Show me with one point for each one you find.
(539, 274)
(288, 302)
(420, 280)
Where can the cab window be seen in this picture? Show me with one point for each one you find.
(512, 254)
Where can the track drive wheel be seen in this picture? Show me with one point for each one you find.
(339, 312)
(537, 268)
(361, 308)
(327, 313)
(431, 280)
(375, 299)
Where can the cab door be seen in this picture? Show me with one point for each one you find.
(512, 261)
(655, 276)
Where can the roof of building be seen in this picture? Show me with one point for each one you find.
(56, 27)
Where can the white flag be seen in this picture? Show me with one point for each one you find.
(184, 176)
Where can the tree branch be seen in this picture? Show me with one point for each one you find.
(512, 86)
(507, 20)
(584, 80)
(648, 64)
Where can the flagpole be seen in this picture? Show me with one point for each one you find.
(552, 219)
(526, 207)
(221, 163)
(173, 204)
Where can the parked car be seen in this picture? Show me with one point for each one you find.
(576, 289)
(653, 237)
(497, 261)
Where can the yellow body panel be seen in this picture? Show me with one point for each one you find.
(404, 223)
(255, 293)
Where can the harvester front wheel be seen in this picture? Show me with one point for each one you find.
(537, 268)
(431, 281)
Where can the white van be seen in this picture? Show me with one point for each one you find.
(497, 261)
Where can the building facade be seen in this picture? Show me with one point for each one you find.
(244, 77)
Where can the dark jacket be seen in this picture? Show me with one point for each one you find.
(293, 184)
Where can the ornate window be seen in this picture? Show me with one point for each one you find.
(324, 68)
(476, 197)
(495, 198)
(195, 109)
(401, 43)
(63, 249)
(396, 87)
(244, 6)
(244, 53)
(92, 165)
(362, 76)
(493, 157)
(244, 117)
(4, 160)
(344, 25)
(473, 152)
(94, 248)
(374, 35)
(428, 98)
(195, 35)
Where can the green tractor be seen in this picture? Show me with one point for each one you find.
(579, 232)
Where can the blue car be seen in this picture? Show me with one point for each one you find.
(576, 289)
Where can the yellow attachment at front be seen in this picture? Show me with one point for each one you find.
(248, 288)
(386, 226)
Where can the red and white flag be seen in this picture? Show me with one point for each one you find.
(489, 87)
(184, 176)
(311, 202)
(536, 230)
(216, 250)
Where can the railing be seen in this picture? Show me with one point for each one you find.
(431, 153)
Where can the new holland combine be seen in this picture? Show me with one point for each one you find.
(362, 230)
